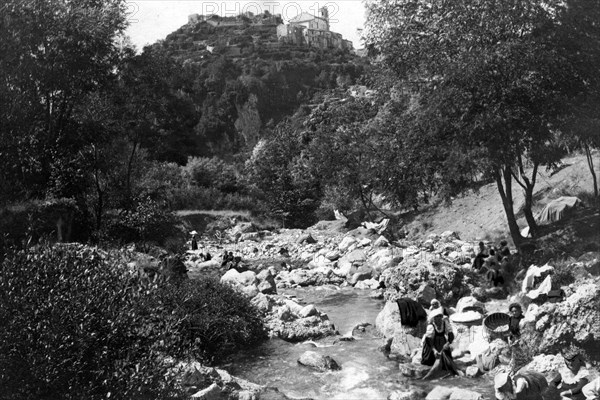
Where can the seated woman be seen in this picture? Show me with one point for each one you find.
(526, 385)
(436, 345)
(515, 321)
(573, 376)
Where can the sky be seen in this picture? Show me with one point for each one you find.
(152, 20)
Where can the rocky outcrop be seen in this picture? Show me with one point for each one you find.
(575, 320)
(424, 280)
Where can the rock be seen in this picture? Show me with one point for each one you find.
(306, 238)
(239, 279)
(364, 242)
(332, 255)
(440, 393)
(250, 290)
(381, 242)
(368, 284)
(403, 344)
(449, 235)
(361, 274)
(266, 281)
(262, 302)
(308, 311)
(250, 236)
(364, 331)
(346, 242)
(213, 392)
(411, 370)
(471, 371)
(388, 319)
(318, 361)
(425, 294)
(464, 394)
(406, 395)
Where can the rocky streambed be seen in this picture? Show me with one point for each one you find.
(275, 265)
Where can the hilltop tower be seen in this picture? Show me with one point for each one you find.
(324, 13)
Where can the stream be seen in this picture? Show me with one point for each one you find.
(366, 372)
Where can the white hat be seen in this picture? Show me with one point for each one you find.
(193, 233)
(434, 313)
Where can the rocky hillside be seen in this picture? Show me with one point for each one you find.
(245, 80)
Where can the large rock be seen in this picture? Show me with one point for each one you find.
(213, 392)
(346, 242)
(318, 361)
(412, 370)
(574, 321)
(266, 282)
(236, 278)
(388, 319)
(404, 344)
(412, 276)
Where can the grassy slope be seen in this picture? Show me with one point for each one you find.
(480, 215)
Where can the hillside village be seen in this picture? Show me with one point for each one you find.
(237, 36)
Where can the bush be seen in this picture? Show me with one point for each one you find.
(146, 222)
(73, 328)
(76, 324)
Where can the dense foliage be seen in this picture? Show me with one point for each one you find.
(77, 324)
(491, 80)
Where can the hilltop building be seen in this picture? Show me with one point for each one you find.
(310, 30)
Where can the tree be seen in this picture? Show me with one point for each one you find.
(54, 53)
(492, 81)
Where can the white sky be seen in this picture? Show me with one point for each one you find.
(151, 20)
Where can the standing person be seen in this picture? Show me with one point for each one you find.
(436, 345)
(194, 241)
(573, 376)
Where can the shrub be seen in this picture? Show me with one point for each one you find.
(74, 328)
(147, 221)
(76, 324)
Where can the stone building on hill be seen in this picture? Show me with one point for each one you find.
(309, 30)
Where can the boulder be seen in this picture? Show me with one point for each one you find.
(388, 319)
(318, 361)
(472, 371)
(465, 394)
(440, 393)
(403, 344)
(308, 311)
(359, 274)
(236, 278)
(250, 236)
(346, 242)
(262, 302)
(406, 395)
(411, 370)
(306, 238)
(574, 321)
(266, 282)
(381, 242)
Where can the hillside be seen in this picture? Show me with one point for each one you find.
(242, 79)
(480, 215)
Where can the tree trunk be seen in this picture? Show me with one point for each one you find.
(590, 160)
(505, 190)
(533, 228)
(129, 169)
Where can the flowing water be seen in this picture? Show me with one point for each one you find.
(366, 372)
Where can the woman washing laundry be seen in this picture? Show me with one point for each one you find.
(436, 345)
